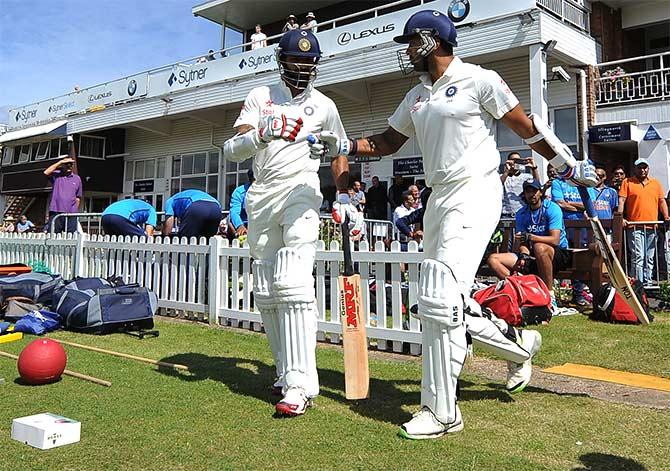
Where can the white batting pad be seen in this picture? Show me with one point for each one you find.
(293, 280)
(440, 297)
(297, 324)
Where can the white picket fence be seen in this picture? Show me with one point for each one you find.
(213, 280)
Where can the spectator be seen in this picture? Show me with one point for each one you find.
(376, 201)
(24, 225)
(210, 55)
(65, 195)
(512, 178)
(401, 211)
(364, 187)
(395, 194)
(606, 201)
(199, 214)
(358, 199)
(201, 60)
(407, 224)
(618, 176)
(129, 217)
(416, 195)
(291, 23)
(258, 39)
(551, 176)
(239, 222)
(540, 243)
(641, 199)
(310, 22)
(8, 225)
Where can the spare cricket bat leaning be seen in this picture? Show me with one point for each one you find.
(618, 277)
(354, 338)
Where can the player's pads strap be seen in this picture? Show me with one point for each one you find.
(243, 146)
(443, 351)
(298, 326)
(440, 296)
(293, 281)
(489, 334)
(263, 271)
(564, 157)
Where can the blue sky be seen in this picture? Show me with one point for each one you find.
(47, 47)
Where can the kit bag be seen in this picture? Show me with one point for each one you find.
(609, 306)
(39, 287)
(518, 300)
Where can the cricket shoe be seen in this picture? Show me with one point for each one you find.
(424, 425)
(518, 374)
(295, 402)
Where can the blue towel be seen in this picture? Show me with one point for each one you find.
(38, 322)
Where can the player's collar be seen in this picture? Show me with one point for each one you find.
(299, 97)
(453, 67)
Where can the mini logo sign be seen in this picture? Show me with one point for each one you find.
(186, 77)
(346, 37)
(242, 64)
(254, 62)
(172, 79)
(451, 91)
(349, 304)
(458, 10)
(132, 87)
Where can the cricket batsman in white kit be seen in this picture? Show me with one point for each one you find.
(283, 209)
(452, 114)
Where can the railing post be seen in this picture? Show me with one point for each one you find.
(79, 263)
(214, 292)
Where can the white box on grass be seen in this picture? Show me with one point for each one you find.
(46, 430)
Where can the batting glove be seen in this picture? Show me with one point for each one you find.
(279, 127)
(328, 144)
(343, 210)
(582, 174)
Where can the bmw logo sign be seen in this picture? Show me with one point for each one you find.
(458, 10)
(132, 87)
(451, 91)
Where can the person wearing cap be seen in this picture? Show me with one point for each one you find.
(237, 217)
(641, 200)
(540, 244)
(65, 195)
(310, 22)
(8, 225)
(291, 23)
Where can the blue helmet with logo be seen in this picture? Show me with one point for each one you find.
(298, 53)
(434, 22)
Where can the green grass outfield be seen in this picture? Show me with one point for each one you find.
(219, 416)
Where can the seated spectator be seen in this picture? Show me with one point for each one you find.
(358, 198)
(258, 39)
(407, 224)
(129, 217)
(210, 55)
(197, 212)
(401, 211)
(310, 23)
(291, 23)
(540, 243)
(239, 221)
(512, 178)
(24, 225)
(416, 195)
(8, 225)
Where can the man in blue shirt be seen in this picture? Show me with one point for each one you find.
(606, 200)
(127, 218)
(199, 214)
(540, 233)
(238, 209)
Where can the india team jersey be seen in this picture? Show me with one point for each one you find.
(282, 159)
(542, 220)
(453, 120)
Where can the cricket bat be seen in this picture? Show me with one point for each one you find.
(618, 277)
(354, 339)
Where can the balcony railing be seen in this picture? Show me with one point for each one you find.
(568, 11)
(634, 80)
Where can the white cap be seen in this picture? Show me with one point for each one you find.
(641, 161)
(310, 15)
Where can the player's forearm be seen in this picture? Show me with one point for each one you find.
(340, 168)
(386, 143)
(663, 207)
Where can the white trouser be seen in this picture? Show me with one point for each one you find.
(283, 230)
(458, 224)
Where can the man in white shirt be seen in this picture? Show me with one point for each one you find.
(358, 200)
(452, 114)
(310, 23)
(258, 39)
(283, 210)
(513, 177)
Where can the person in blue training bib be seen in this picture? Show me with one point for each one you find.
(130, 217)
(199, 214)
(606, 200)
(540, 243)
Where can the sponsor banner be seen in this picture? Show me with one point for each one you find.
(112, 92)
(184, 76)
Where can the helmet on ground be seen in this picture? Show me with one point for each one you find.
(427, 25)
(303, 48)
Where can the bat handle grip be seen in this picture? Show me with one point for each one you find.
(588, 202)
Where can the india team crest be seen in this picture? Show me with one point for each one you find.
(451, 91)
(304, 45)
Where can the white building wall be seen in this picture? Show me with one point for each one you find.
(644, 13)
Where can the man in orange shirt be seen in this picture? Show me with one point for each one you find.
(641, 199)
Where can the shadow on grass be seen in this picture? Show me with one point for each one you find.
(253, 378)
(605, 462)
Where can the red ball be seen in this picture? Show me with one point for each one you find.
(42, 361)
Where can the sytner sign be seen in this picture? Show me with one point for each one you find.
(106, 94)
(383, 28)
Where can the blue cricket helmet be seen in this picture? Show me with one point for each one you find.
(429, 21)
(303, 44)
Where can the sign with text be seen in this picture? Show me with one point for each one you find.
(610, 133)
(143, 186)
(651, 134)
(408, 166)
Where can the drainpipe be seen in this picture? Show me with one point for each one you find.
(584, 131)
(222, 178)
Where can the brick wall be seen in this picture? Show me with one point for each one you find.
(606, 29)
